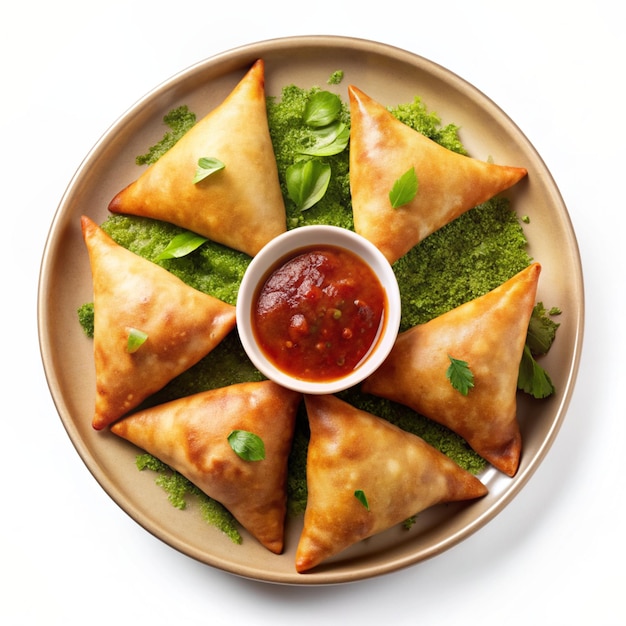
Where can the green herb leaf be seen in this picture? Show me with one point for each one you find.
(404, 189)
(136, 338)
(460, 375)
(182, 245)
(541, 330)
(322, 109)
(246, 445)
(532, 378)
(307, 182)
(206, 167)
(360, 496)
(329, 140)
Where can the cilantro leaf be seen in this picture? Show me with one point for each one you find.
(541, 330)
(460, 375)
(532, 378)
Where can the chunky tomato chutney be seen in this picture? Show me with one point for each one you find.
(319, 313)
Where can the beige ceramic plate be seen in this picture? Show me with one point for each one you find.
(391, 76)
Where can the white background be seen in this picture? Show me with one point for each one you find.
(555, 555)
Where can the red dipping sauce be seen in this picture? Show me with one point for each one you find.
(319, 313)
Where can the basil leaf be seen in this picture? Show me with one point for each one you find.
(404, 189)
(247, 445)
(460, 375)
(360, 496)
(206, 167)
(181, 245)
(330, 140)
(322, 109)
(307, 182)
(136, 338)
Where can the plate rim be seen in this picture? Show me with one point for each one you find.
(235, 57)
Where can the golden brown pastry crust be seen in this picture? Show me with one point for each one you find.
(183, 325)
(382, 149)
(240, 206)
(191, 436)
(399, 473)
(489, 334)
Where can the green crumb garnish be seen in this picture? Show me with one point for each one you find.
(416, 115)
(212, 268)
(178, 489)
(179, 121)
(465, 259)
(296, 477)
(290, 135)
(215, 514)
(335, 78)
(85, 318)
(147, 461)
(461, 261)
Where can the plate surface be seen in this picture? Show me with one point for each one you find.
(391, 76)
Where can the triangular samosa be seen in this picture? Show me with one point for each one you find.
(488, 334)
(241, 205)
(174, 324)
(365, 475)
(382, 150)
(191, 435)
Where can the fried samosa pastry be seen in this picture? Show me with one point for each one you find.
(134, 297)
(240, 206)
(191, 436)
(382, 149)
(366, 475)
(489, 334)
